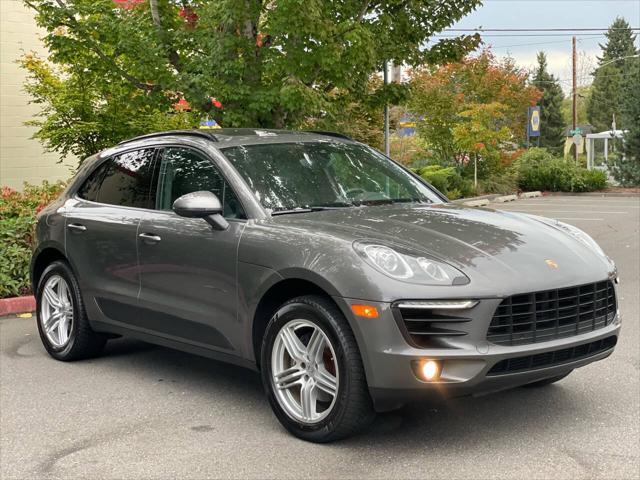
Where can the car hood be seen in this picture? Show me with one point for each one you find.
(485, 244)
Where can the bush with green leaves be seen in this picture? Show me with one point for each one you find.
(504, 183)
(557, 175)
(18, 212)
(447, 180)
(626, 171)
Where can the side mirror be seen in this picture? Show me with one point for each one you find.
(203, 204)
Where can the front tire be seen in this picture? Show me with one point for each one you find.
(62, 320)
(312, 371)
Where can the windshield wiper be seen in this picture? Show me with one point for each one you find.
(288, 211)
(387, 201)
(313, 208)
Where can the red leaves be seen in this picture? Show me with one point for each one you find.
(182, 105)
(6, 192)
(128, 4)
(189, 15)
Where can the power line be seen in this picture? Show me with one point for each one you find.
(519, 35)
(580, 39)
(481, 29)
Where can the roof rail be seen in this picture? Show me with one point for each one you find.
(330, 134)
(194, 133)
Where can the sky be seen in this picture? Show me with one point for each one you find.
(551, 14)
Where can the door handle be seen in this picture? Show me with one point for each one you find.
(149, 238)
(77, 227)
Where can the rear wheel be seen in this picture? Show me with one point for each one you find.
(547, 381)
(62, 320)
(313, 373)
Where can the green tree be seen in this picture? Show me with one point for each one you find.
(609, 78)
(269, 63)
(627, 168)
(551, 121)
(584, 96)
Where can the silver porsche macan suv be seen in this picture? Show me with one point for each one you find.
(347, 281)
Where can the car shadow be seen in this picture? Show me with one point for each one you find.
(162, 364)
(457, 423)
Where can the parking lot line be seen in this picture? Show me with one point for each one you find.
(546, 204)
(571, 211)
(575, 218)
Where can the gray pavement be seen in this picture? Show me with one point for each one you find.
(142, 411)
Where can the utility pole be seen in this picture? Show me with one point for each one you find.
(575, 98)
(385, 76)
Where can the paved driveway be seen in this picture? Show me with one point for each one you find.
(148, 412)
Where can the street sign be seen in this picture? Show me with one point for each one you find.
(533, 124)
(576, 131)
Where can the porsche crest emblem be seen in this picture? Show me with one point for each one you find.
(550, 263)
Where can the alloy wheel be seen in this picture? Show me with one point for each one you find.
(304, 371)
(56, 311)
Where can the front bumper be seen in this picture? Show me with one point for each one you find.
(466, 360)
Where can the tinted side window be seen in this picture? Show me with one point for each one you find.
(91, 186)
(184, 171)
(127, 180)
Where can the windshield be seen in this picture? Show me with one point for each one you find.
(289, 176)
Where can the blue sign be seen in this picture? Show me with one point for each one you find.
(533, 123)
(208, 124)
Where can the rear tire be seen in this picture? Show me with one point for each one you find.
(547, 381)
(62, 320)
(319, 393)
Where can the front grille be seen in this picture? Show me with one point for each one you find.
(551, 314)
(429, 328)
(551, 359)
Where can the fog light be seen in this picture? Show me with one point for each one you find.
(430, 370)
(427, 370)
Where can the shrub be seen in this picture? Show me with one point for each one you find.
(18, 212)
(626, 171)
(533, 157)
(505, 183)
(593, 179)
(447, 180)
(559, 176)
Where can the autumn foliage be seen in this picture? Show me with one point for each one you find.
(471, 108)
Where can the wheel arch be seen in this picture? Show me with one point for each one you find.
(41, 258)
(291, 283)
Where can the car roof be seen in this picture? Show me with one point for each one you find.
(226, 137)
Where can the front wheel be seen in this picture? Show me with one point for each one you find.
(312, 371)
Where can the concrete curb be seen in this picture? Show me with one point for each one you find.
(489, 197)
(530, 194)
(506, 198)
(477, 203)
(13, 305)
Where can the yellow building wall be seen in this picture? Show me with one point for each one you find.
(22, 159)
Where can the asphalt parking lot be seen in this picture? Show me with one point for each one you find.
(142, 411)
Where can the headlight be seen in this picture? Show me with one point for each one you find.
(409, 267)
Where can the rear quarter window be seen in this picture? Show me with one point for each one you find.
(125, 180)
(91, 186)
